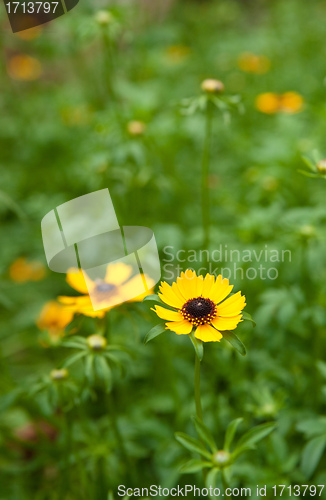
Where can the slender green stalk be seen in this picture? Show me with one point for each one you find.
(199, 411)
(205, 199)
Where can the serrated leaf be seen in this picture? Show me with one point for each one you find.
(235, 342)
(152, 298)
(230, 432)
(194, 465)
(154, 332)
(256, 434)
(247, 317)
(192, 444)
(198, 346)
(205, 434)
(311, 455)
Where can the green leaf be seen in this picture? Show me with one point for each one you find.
(72, 359)
(312, 454)
(256, 434)
(230, 432)
(235, 342)
(10, 203)
(154, 332)
(198, 346)
(247, 317)
(211, 477)
(152, 298)
(194, 465)
(103, 371)
(205, 434)
(241, 450)
(310, 164)
(89, 368)
(307, 174)
(192, 444)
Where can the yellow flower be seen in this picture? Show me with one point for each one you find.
(24, 67)
(136, 127)
(21, 270)
(199, 303)
(291, 102)
(118, 283)
(177, 53)
(54, 318)
(252, 63)
(30, 34)
(270, 103)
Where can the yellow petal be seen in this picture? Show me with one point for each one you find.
(178, 293)
(187, 284)
(232, 306)
(207, 333)
(79, 281)
(220, 289)
(209, 281)
(167, 314)
(199, 285)
(169, 297)
(226, 323)
(118, 273)
(180, 327)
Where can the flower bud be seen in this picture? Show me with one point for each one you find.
(211, 86)
(103, 17)
(321, 166)
(96, 342)
(136, 127)
(59, 374)
(221, 458)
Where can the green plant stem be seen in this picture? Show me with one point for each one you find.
(205, 201)
(199, 411)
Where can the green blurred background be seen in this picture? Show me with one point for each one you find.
(70, 92)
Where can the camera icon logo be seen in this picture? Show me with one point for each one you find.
(84, 235)
(25, 14)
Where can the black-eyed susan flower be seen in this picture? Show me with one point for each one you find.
(201, 305)
(54, 318)
(24, 67)
(271, 103)
(253, 63)
(22, 270)
(118, 284)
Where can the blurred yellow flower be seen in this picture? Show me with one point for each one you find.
(22, 271)
(24, 67)
(270, 103)
(199, 303)
(136, 127)
(54, 318)
(30, 34)
(252, 63)
(177, 53)
(117, 284)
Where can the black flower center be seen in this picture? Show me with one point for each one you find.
(199, 310)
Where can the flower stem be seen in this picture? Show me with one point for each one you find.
(205, 202)
(199, 411)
